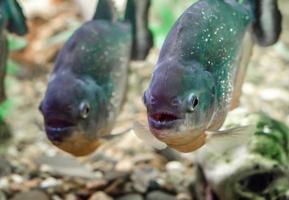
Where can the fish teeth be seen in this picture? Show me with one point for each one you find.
(57, 129)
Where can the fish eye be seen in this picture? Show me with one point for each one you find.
(193, 102)
(84, 109)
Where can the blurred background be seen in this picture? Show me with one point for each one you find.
(124, 168)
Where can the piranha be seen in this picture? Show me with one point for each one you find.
(12, 20)
(87, 86)
(200, 70)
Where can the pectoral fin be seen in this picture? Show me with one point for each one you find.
(143, 133)
(224, 141)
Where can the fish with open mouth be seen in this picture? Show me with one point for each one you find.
(200, 71)
(87, 86)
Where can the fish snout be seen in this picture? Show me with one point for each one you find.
(157, 102)
(57, 129)
(163, 120)
(163, 112)
(55, 135)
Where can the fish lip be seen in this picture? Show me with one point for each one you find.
(58, 129)
(163, 120)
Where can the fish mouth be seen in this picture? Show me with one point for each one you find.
(163, 120)
(58, 129)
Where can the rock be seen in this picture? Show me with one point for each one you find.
(5, 167)
(2, 196)
(100, 196)
(116, 187)
(56, 197)
(178, 177)
(5, 134)
(65, 166)
(51, 183)
(183, 196)
(124, 165)
(35, 194)
(70, 197)
(159, 195)
(131, 197)
(142, 177)
(4, 183)
(114, 175)
(175, 166)
(96, 184)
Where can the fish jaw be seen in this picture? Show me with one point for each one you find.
(57, 129)
(68, 137)
(78, 144)
(184, 142)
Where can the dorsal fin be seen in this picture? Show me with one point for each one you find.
(105, 10)
(130, 13)
(267, 27)
(136, 14)
(16, 19)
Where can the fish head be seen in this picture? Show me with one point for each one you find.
(180, 102)
(70, 109)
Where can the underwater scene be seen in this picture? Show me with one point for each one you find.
(144, 100)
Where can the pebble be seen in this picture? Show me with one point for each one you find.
(184, 196)
(2, 196)
(159, 195)
(142, 177)
(100, 196)
(70, 197)
(51, 183)
(96, 184)
(5, 167)
(124, 165)
(34, 194)
(131, 197)
(175, 166)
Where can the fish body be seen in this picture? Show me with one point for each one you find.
(194, 82)
(88, 83)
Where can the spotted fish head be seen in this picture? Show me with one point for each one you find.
(180, 103)
(71, 108)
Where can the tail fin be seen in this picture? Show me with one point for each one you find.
(105, 10)
(267, 26)
(16, 19)
(136, 13)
